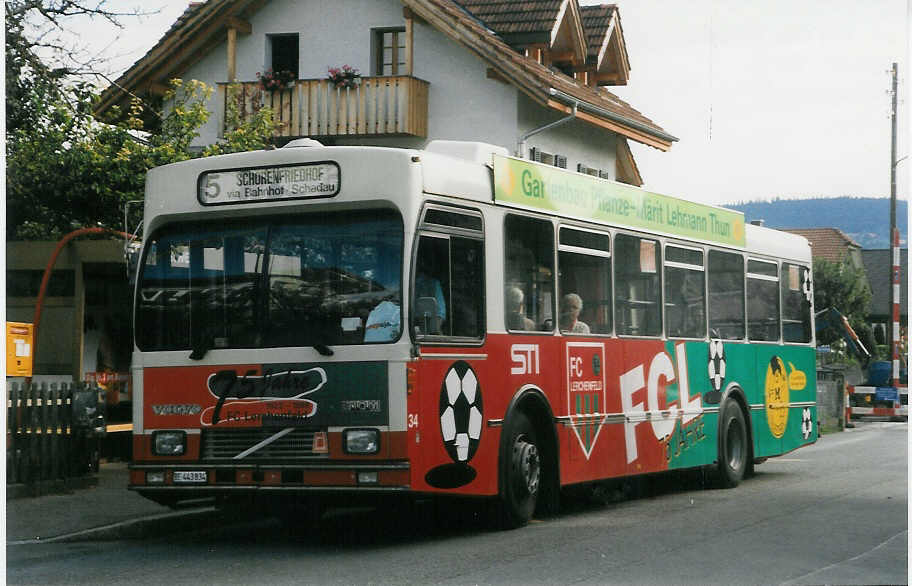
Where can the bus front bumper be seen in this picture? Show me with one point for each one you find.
(206, 479)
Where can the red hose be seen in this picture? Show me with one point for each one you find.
(47, 276)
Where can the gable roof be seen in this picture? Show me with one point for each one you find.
(526, 22)
(607, 50)
(597, 21)
(830, 244)
(204, 26)
(506, 17)
(878, 266)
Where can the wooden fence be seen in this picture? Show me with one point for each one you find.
(53, 431)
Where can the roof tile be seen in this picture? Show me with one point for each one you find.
(507, 17)
(830, 244)
(596, 20)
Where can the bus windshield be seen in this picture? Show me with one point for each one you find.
(318, 279)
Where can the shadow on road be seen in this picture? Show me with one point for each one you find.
(401, 521)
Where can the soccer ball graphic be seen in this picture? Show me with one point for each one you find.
(716, 364)
(460, 412)
(806, 423)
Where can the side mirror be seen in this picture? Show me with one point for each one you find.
(131, 258)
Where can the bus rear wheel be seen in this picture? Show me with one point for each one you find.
(522, 472)
(734, 449)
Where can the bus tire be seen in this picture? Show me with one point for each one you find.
(521, 473)
(734, 449)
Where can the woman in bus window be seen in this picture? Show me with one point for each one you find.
(571, 306)
(516, 311)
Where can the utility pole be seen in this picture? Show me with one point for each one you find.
(894, 238)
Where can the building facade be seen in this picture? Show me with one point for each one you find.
(528, 76)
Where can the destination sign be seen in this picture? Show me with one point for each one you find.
(269, 184)
(547, 188)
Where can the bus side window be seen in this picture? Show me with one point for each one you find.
(637, 287)
(796, 303)
(432, 285)
(763, 303)
(584, 269)
(529, 279)
(448, 298)
(685, 293)
(726, 295)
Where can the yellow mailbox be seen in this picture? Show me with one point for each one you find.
(19, 348)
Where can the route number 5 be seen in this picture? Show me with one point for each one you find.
(212, 189)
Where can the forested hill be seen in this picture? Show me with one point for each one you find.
(866, 220)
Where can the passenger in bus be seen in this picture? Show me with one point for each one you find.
(428, 286)
(516, 318)
(383, 323)
(571, 306)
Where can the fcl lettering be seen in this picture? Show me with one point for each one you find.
(635, 379)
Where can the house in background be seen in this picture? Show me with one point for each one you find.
(86, 319)
(833, 245)
(830, 244)
(529, 76)
(878, 265)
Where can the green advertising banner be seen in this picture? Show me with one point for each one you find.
(552, 189)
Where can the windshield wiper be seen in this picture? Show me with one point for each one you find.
(323, 349)
(201, 347)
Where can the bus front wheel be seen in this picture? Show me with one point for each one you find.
(522, 472)
(733, 445)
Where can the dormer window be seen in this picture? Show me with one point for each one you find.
(283, 53)
(388, 48)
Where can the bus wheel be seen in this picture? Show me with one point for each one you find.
(733, 446)
(522, 473)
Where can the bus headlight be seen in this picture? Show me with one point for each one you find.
(361, 441)
(169, 443)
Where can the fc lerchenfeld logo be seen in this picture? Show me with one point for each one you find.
(461, 412)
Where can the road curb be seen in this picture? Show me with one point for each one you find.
(171, 522)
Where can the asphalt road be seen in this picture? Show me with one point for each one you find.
(835, 512)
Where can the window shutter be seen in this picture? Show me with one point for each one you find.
(560, 161)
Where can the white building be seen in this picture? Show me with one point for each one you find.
(496, 71)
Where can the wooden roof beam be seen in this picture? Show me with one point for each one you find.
(613, 126)
(563, 57)
(242, 26)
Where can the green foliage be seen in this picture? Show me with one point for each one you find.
(249, 126)
(65, 170)
(843, 286)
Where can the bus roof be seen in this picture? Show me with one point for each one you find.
(448, 168)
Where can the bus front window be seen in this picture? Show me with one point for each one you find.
(314, 280)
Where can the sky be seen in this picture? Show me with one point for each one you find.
(777, 98)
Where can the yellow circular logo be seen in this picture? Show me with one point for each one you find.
(777, 397)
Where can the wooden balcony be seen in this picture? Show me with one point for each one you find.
(379, 106)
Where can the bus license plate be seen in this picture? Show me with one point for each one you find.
(190, 476)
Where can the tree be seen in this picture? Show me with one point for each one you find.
(845, 287)
(64, 168)
(43, 61)
(73, 171)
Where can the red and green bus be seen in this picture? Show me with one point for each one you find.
(320, 321)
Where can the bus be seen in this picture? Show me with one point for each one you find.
(315, 322)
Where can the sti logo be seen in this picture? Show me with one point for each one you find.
(636, 379)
